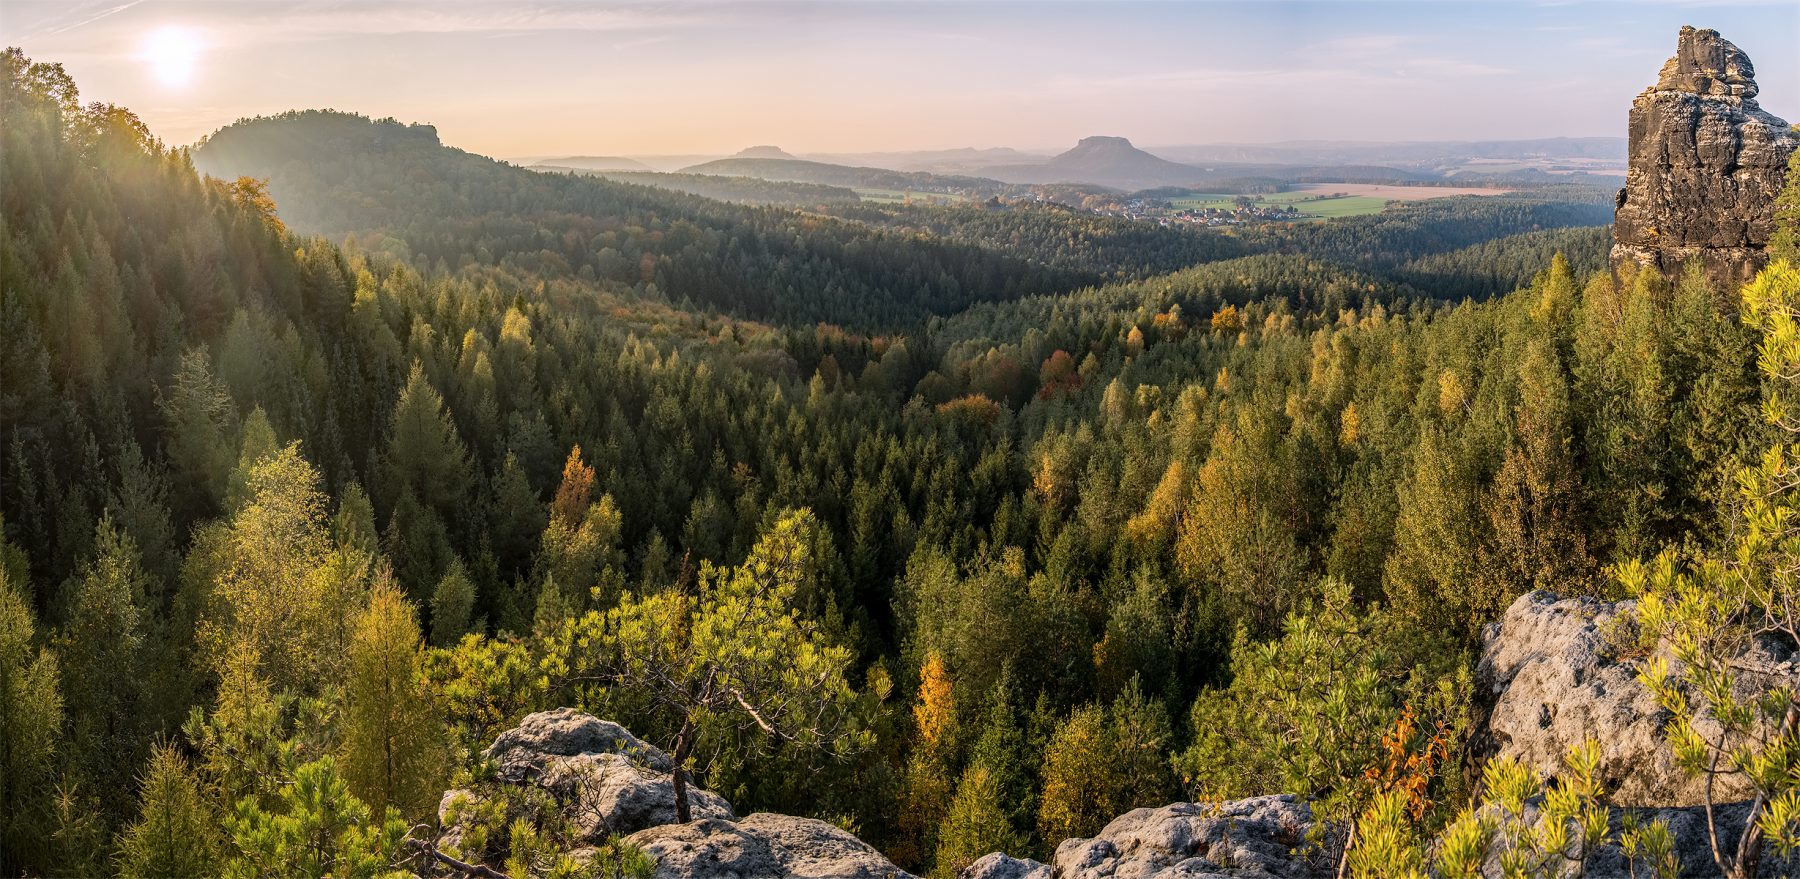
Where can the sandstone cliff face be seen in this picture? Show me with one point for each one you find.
(1706, 166)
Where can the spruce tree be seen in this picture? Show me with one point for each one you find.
(102, 649)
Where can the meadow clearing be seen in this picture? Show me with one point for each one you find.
(1327, 200)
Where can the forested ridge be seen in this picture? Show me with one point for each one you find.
(1048, 516)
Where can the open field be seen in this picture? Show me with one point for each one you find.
(1387, 192)
(1328, 200)
(896, 196)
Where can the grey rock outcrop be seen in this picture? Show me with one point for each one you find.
(1553, 672)
(762, 846)
(528, 748)
(1000, 865)
(607, 780)
(1266, 837)
(1262, 837)
(1554, 683)
(1706, 163)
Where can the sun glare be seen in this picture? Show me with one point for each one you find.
(173, 52)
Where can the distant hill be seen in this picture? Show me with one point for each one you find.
(960, 161)
(763, 152)
(801, 171)
(1107, 161)
(592, 163)
(401, 191)
(742, 190)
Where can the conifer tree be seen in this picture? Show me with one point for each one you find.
(393, 752)
(177, 831)
(976, 824)
(1785, 242)
(314, 829)
(995, 803)
(285, 588)
(1078, 777)
(1434, 540)
(1534, 538)
(425, 457)
(31, 717)
(202, 432)
(930, 781)
(452, 603)
(258, 445)
(734, 655)
(104, 661)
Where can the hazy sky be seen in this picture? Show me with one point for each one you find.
(523, 79)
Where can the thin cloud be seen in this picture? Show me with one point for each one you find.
(104, 13)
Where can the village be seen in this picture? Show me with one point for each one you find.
(1239, 211)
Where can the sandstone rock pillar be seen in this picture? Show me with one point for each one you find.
(1706, 166)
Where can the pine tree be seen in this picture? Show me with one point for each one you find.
(393, 752)
(177, 832)
(734, 655)
(315, 829)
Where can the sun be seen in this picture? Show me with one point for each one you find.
(173, 52)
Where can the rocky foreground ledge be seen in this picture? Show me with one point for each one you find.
(1552, 673)
(615, 783)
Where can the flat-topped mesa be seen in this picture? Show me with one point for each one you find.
(1706, 166)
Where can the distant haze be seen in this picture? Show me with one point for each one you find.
(602, 80)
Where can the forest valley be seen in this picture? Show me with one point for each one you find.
(963, 530)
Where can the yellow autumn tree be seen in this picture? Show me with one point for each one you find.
(393, 751)
(930, 774)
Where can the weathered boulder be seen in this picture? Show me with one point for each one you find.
(1554, 683)
(604, 779)
(762, 846)
(1706, 163)
(565, 732)
(1556, 676)
(1258, 837)
(1000, 865)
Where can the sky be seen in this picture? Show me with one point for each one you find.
(525, 79)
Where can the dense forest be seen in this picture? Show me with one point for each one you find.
(317, 472)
